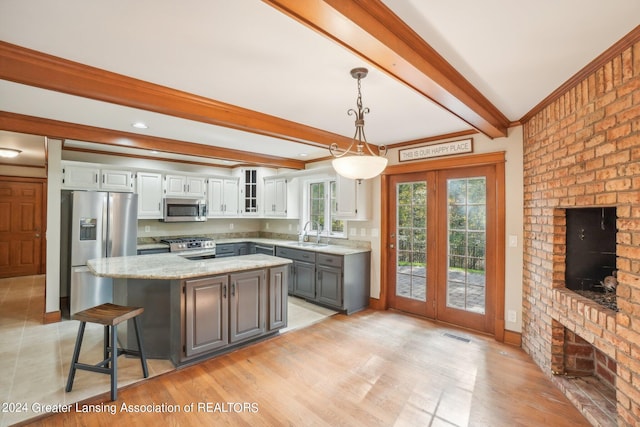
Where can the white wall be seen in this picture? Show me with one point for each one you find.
(54, 183)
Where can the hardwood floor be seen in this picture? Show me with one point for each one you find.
(373, 368)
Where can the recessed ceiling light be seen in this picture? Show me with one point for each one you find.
(154, 152)
(140, 125)
(9, 152)
(303, 154)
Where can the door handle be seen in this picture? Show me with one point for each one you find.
(392, 246)
(233, 289)
(224, 291)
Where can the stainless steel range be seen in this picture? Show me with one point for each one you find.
(188, 244)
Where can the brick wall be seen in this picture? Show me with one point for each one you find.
(583, 150)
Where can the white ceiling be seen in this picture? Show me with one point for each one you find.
(246, 53)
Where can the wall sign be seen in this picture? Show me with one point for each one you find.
(437, 150)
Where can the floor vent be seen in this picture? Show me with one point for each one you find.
(446, 334)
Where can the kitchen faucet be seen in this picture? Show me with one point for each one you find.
(304, 231)
(303, 234)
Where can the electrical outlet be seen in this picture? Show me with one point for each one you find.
(513, 241)
(147, 228)
(290, 227)
(266, 225)
(363, 232)
(512, 316)
(230, 226)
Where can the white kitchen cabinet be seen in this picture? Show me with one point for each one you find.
(81, 177)
(223, 197)
(116, 180)
(88, 176)
(185, 186)
(353, 199)
(149, 189)
(275, 197)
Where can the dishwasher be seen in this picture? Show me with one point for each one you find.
(264, 249)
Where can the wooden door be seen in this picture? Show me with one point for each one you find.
(411, 255)
(467, 256)
(21, 226)
(444, 256)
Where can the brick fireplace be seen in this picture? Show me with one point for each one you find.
(582, 150)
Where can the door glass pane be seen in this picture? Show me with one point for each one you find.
(411, 240)
(467, 219)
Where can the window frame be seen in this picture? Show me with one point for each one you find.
(329, 213)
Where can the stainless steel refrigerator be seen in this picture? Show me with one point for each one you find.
(94, 225)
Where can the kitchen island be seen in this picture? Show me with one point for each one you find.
(196, 308)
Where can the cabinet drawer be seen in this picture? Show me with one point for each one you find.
(330, 260)
(296, 254)
(225, 250)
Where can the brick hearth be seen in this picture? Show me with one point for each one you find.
(583, 150)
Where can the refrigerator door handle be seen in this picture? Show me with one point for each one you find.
(106, 225)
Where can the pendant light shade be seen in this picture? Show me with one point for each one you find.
(363, 163)
(359, 167)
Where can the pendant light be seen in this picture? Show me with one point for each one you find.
(363, 163)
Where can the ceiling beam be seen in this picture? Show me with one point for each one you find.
(372, 31)
(64, 130)
(33, 68)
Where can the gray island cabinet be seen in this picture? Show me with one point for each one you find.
(197, 309)
(340, 281)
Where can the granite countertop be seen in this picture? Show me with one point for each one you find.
(307, 246)
(334, 249)
(170, 266)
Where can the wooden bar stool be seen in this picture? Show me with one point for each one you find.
(109, 315)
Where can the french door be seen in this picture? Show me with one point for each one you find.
(442, 245)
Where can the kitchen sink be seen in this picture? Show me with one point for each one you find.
(311, 244)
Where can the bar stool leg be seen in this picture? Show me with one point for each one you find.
(105, 344)
(114, 362)
(76, 354)
(143, 359)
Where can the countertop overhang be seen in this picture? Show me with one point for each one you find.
(171, 266)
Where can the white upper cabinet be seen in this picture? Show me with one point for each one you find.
(88, 176)
(185, 186)
(80, 177)
(275, 197)
(352, 199)
(251, 190)
(116, 180)
(149, 189)
(223, 197)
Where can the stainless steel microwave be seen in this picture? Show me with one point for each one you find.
(184, 210)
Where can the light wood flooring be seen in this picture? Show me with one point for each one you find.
(373, 368)
(35, 358)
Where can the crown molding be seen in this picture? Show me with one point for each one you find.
(616, 49)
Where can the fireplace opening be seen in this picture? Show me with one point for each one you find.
(587, 376)
(591, 254)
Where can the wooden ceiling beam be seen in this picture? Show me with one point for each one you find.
(64, 130)
(372, 31)
(33, 68)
